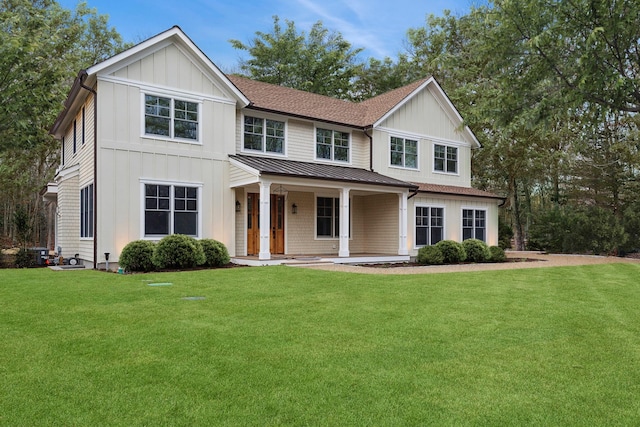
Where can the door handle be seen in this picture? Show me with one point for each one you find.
(273, 230)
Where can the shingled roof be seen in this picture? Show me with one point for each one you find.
(455, 190)
(281, 167)
(274, 98)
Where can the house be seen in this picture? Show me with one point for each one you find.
(157, 140)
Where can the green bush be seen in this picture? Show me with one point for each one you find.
(497, 254)
(452, 251)
(137, 256)
(25, 259)
(476, 250)
(431, 255)
(215, 252)
(178, 251)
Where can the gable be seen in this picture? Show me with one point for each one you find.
(427, 114)
(173, 67)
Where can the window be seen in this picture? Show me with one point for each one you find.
(404, 152)
(86, 211)
(474, 224)
(328, 217)
(332, 145)
(75, 136)
(263, 135)
(171, 118)
(445, 159)
(170, 209)
(429, 225)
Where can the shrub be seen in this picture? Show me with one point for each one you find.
(137, 256)
(178, 251)
(25, 259)
(453, 252)
(476, 250)
(431, 255)
(215, 252)
(497, 254)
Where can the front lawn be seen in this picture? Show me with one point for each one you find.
(292, 346)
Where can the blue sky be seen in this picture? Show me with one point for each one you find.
(378, 26)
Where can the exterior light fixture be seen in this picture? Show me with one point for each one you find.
(294, 209)
(238, 206)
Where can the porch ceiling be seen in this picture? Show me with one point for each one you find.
(292, 168)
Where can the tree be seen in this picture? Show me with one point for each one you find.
(42, 47)
(591, 46)
(321, 62)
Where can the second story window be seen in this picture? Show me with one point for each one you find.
(332, 145)
(171, 118)
(445, 159)
(263, 135)
(404, 152)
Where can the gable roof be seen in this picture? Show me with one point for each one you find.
(281, 167)
(298, 103)
(367, 114)
(86, 78)
(455, 190)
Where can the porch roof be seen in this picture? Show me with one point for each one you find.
(280, 167)
(455, 190)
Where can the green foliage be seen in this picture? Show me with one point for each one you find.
(505, 234)
(430, 255)
(452, 251)
(476, 250)
(631, 222)
(215, 252)
(178, 251)
(578, 230)
(25, 259)
(321, 62)
(22, 225)
(496, 254)
(137, 256)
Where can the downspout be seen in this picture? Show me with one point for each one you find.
(370, 148)
(83, 76)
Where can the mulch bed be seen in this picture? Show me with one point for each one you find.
(415, 264)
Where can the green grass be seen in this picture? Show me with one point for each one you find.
(288, 346)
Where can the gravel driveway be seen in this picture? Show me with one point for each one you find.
(533, 260)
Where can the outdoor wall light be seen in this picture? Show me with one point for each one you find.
(294, 209)
(237, 206)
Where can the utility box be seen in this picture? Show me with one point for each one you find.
(40, 255)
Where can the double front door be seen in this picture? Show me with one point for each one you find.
(276, 232)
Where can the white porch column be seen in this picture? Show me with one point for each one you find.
(344, 223)
(402, 222)
(265, 220)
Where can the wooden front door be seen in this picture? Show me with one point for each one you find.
(276, 232)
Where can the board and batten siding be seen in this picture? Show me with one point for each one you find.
(171, 67)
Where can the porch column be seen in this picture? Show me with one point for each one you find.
(344, 223)
(402, 222)
(265, 220)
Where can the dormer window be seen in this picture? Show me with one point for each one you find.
(263, 135)
(332, 145)
(170, 118)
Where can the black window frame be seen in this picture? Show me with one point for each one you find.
(171, 209)
(86, 211)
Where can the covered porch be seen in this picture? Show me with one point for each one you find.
(292, 212)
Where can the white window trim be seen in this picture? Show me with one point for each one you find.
(173, 97)
(332, 160)
(404, 137)
(486, 221)
(433, 159)
(315, 217)
(93, 194)
(263, 151)
(144, 181)
(444, 221)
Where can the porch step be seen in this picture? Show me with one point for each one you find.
(306, 261)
